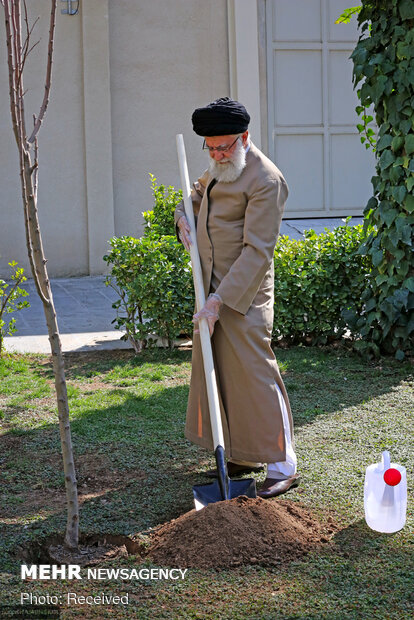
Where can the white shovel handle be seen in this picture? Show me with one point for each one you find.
(210, 375)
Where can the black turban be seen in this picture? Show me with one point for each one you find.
(222, 117)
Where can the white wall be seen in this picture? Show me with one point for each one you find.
(127, 76)
(166, 58)
(61, 198)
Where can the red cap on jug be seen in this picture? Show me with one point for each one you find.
(392, 477)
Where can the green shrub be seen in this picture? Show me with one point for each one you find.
(10, 300)
(317, 279)
(153, 280)
(160, 221)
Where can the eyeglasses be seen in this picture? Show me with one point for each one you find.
(219, 149)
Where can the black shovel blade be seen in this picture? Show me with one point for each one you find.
(210, 493)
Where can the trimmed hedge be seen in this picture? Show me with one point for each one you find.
(318, 280)
(153, 280)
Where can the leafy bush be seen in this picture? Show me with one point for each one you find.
(10, 300)
(152, 276)
(317, 280)
(160, 221)
(153, 280)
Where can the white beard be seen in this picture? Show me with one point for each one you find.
(228, 170)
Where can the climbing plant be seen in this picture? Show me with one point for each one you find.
(384, 69)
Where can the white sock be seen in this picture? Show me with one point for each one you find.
(284, 469)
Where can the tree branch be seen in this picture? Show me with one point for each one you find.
(25, 50)
(10, 64)
(45, 101)
(18, 80)
(35, 167)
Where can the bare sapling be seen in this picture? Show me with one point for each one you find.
(19, 46)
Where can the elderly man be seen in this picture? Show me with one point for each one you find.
(238, 204)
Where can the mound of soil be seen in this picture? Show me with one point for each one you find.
(238, 532)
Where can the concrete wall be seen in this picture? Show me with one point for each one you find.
(127, 76)
(61, 197)
(166, 59)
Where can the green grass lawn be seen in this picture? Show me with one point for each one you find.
(135, 470)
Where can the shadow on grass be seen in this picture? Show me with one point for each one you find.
(319, 381)
(143, 434)
(98, 363)
(361, 574)
(358, 539)
(322, 381)
(140, 441)
(364, 572)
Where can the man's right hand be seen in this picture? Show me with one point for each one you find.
(184, 232)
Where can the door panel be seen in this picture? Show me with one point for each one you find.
(298, 88)
(311, 109)
(302, 156)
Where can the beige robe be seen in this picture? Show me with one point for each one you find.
(237, 228)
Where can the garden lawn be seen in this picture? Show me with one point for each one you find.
(135, 471)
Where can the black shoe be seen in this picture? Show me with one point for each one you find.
(273, 488)
(235, 470)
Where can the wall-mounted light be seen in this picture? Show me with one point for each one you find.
(72, 7)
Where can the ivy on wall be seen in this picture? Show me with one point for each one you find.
(384, 67)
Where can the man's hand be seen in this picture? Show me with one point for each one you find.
(184, 232)
(210, 311)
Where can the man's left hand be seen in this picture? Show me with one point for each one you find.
(210, 311)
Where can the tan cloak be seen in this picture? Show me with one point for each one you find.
(237, 228)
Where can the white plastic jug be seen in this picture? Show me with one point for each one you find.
(385, 495)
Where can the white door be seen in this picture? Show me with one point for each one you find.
(311, 109)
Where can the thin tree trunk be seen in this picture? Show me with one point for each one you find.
(17, 54)
(41, 276)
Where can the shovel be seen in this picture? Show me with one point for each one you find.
(222, 488)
